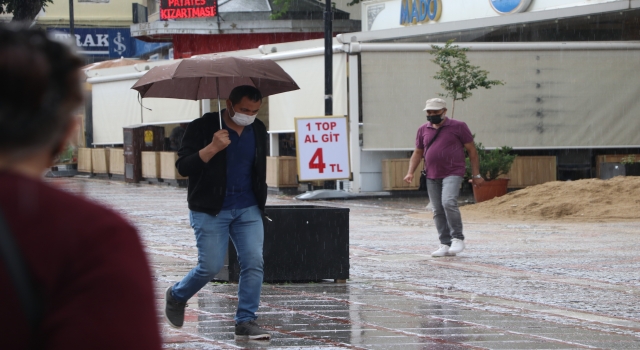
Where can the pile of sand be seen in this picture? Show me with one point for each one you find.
(592, 199)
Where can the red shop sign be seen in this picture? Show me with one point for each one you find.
(172, 9)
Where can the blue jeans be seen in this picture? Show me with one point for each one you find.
(443, 194)
(246, 230)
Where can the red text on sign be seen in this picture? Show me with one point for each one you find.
(317, 162)
(323, 125)
(173, 3)
(330, 137)
(172, 9)
(188, 12)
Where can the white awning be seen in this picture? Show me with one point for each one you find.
(308, 71)
(568, 96)
(164, 110)
(116, 105)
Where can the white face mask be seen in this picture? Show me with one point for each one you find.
(242, 119)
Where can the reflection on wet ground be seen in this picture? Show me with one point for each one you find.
(534, 286)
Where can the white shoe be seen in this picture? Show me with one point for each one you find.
(442, 251)
(457, 246)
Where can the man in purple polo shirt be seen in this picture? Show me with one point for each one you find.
(445, 167)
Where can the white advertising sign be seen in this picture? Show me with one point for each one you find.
(387, 14)
(323, 148)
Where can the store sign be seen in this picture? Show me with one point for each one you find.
(112, 42)
(172, 9)
(419, 11)
(506, 7)
(322, 148)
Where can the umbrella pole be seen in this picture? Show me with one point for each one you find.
(219, 110)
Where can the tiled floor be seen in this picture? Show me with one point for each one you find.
(534, 285)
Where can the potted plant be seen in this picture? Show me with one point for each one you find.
(493, 164)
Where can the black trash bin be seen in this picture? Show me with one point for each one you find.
(139, 138)
(301, 243)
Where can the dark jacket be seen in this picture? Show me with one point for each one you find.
(208, 181)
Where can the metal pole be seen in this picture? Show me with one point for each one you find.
(218, 15)
(328, 59)
(141, 109)
(71, 25)
(219, 111)
(328, 71)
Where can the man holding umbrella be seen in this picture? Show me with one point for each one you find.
(226, 166)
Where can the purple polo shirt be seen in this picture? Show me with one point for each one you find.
(445, 157)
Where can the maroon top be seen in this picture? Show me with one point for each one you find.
(88, 265)
(445, 157)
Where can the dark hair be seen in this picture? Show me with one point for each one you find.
(247, 91)
(39, 90)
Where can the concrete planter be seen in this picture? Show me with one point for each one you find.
(301, 243)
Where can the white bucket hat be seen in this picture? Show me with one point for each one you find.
(435, 104)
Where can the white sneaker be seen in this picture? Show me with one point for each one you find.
(442, 251)
(457, 246)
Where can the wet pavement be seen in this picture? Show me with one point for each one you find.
(519, 285)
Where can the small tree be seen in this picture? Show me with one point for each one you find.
(23, 10)
(458, 76)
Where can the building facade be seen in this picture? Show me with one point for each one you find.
(211, 27)
(101, 27)
(565, 63)
(571, 73)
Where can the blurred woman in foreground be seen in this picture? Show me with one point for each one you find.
(73, 273)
